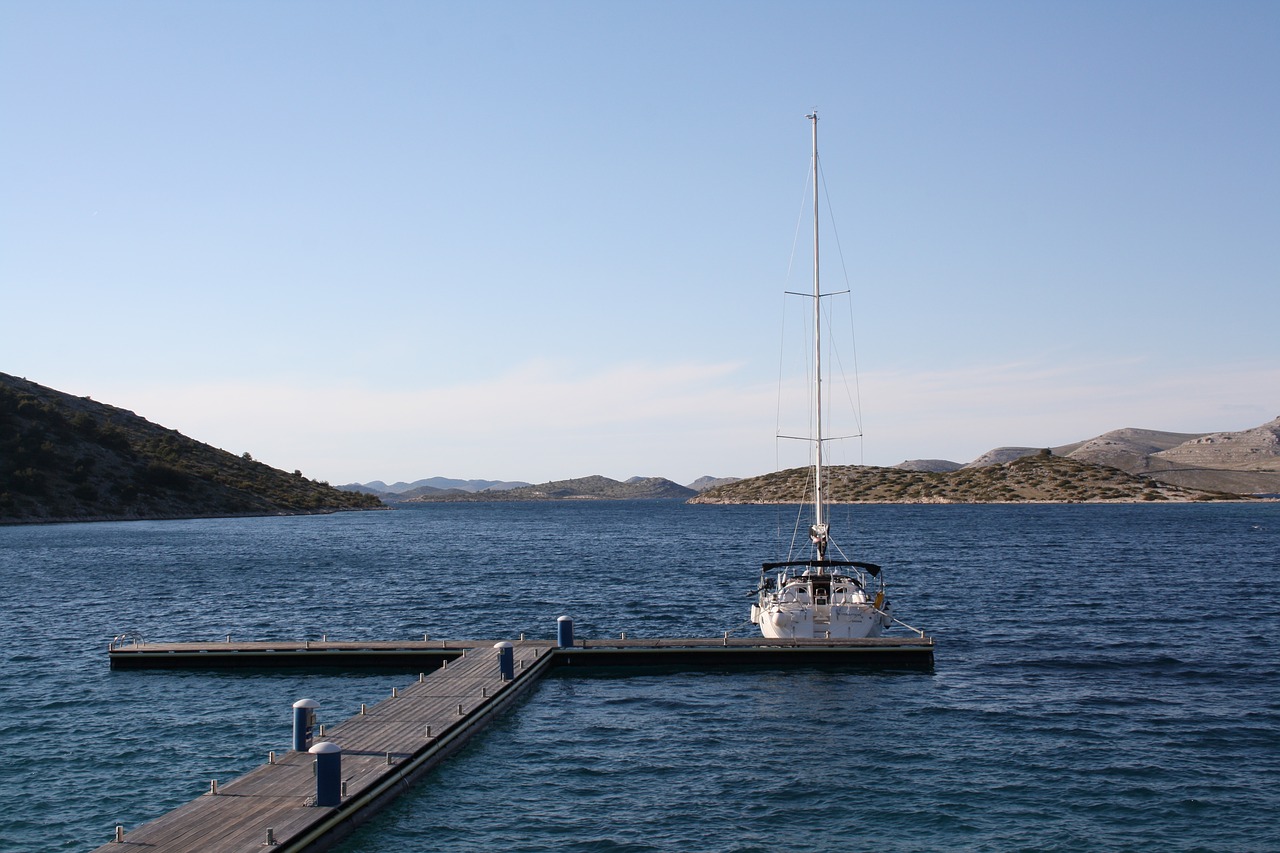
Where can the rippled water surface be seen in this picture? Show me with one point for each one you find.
(1106, 677)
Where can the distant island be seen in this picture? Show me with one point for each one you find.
(1041, 477)
(1245, 462)
(583, 488)
(1124, 465)
(65, 458)
(475, 491)
(444, 489)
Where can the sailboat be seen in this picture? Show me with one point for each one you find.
(820, 596)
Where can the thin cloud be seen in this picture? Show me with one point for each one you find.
(540, 420)
(547, 420)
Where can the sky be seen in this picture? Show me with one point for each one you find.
(543, 240)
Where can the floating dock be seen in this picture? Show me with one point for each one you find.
(132, 653)
(386, 747)
(882, 652)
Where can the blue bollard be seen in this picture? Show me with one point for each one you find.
(328, 773)
(506, 660)
(564, 632)
(304, 723)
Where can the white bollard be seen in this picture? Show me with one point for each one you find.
(304, 719)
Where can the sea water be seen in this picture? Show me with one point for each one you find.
(1107, 677)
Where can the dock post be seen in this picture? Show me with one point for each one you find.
(328, 773)
(564, 632)
(506, 660)
(304, 720)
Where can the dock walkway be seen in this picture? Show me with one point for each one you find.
(389, 745)
(896, 652)
(384, 749)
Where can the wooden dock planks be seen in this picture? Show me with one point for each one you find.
(386, 747)
(383, 749)
(915, 653)
(907, 652)
(425, 654)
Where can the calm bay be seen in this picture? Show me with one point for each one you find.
(1106, 676)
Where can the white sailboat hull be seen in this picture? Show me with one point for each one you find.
(820, 606)
(850, 624)
(781, 619)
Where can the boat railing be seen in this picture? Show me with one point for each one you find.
(120, 641)
(918, 631)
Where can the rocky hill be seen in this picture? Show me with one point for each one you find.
(708, 482)
(583, 488)
(933, 466)
(1038, 477)
(403, 491)
(1125, 448)
(438, 489)
(1245, 462)
(65, 458)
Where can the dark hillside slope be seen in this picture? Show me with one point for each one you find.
(65, 458)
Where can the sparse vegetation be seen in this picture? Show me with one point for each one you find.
(69, 458)
(1038, 477)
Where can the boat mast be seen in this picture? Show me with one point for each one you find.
(818, 533)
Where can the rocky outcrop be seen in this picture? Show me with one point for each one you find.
(1245, 462)
(932, 466)
(1256, 449)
